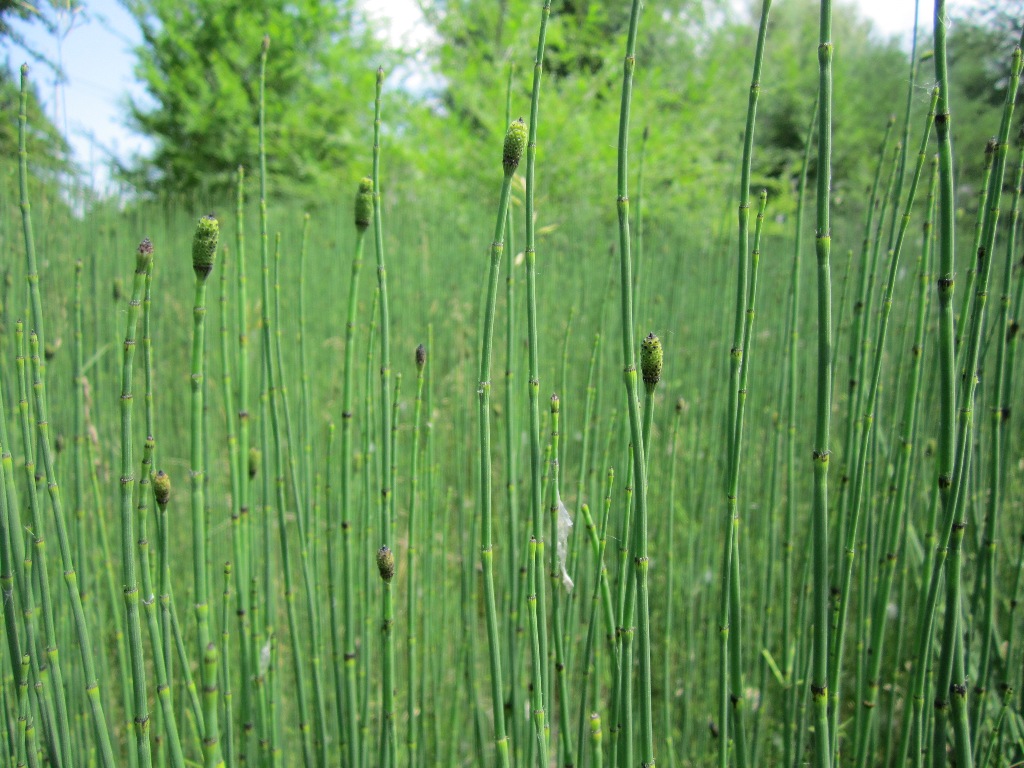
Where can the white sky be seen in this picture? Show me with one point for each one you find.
(98, 59)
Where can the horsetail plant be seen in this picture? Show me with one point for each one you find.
(300, 502)
(651, 359)
(1000, 412)
(399, 687)
(7, 579)
(413, 703)
(946, 439)
(106, 754)
(960, 320)
(673, 442)
(273, 385)
(897, 505)
(819, 522)
(238, 458)
(730, 683)
(58, 738)
(561, 524)
(388, 738)
(387, 477)
(204, 251)
(227, 694)
(32, 267)
(601, 598)
(952, 657)
(629, 375)
(585, 455)
(856, 436)
(516, 573)
(536, 600)
(791, 416)
(512, 152)
(369, 533)
(860, 468)
(143, 260)
(348, 724)
(161, 487)
(35, 301)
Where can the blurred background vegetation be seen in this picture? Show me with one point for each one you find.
(199, 64)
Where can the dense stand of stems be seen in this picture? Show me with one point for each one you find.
(273, 386)
(639, 537)
(515, 139)
(871, 397)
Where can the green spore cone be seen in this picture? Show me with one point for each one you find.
(515, 143)
(651, 360)
(364, 204)
(162, 488)
(204, 245)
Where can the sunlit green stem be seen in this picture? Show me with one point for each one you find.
(819, 522)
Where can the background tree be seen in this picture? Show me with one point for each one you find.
(199, 61)
(48, 149)
(980, 44)
(690, 90)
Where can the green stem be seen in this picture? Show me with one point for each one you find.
(274, 386)
(860, 469)
(348, 724)
(514, 140)
(791, 415)
(559, 577)
(243, 569)
(163, 683)
(387, 478)
(823, 243)
(70, 578)
(131, 587)
(641, 561)
(896, 513)
(413, 593)
(537, 589)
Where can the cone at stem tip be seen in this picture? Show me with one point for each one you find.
(204, 245)
(515, 143)
(651, 360)
(144, 255)
(162, 488)
(364, 204)
(421, 357)
(386, 563)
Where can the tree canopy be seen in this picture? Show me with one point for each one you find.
(47, 149)
(199, 61)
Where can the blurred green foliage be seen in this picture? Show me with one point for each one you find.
(47, 149)
(199, 62)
